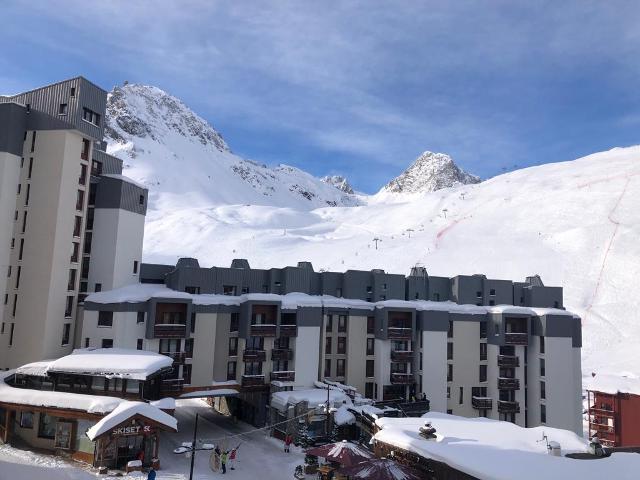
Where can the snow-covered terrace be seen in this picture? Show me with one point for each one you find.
(139, 293)
(314, 397)
(489, 449)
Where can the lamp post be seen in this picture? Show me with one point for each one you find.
(192, 449)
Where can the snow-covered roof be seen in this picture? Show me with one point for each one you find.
(125, 179)
(342, 416)
(143, 292)
(610, 383)
(71, 401)
(490, 449)
(314, 396)
(127, 410)
(103, 362)
(220, 392)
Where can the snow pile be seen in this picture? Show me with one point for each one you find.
(490, 449)
(313, 396)
(430, 172)
(125, 411)
(609, 383)
(103, 362)
(342, 416)
(71, 401)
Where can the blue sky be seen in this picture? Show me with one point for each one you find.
(359, 88)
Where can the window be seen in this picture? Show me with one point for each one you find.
(253, 368)
(235, 320)
(369, 289)
(135, 267)
(77, 226)
(229, 290)
(186, 374)
(66, 332)
(370, 346)
(231, 370)
(368, 390)
(30, 167)
(371, 325)
(2, 329)
(543, 391)
(188, 348)
(342, 323)
(68, 309)
(339, 292)
(11, 333)
(139, 344)
(105, 319)
(80, 200)
(46, 426)
(9, 271)
(492, 292)
(448, 392)
(18, 272)
(107, 343)
(233, 346)
(327, 368)
(461, 396)
(541, 344)
(13, 243)
(342, 345)
(140, 317)
(96, 169)
(483, 329)
(98, 287)
(19, 189)
(450, 330)
(141, 200)
(86, 342)
(483, 373)
(450, 373)
(369, 368)
(24, 221)
(543, 414)
(327, 345)
(33, 137)
(340, 367)
(483, 351)
(449, 411)
(91, 116)
(62, 109)
(542, 367)
(329, 325)
(15, 306)
(28, 194)
(492, 302)
(82, 180)
(73, 92)
(450, 351)
(479, 294)
(72, 279)
(26, 419)
(75, 251)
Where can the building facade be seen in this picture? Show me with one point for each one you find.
(614, 410)
(474, 346)
(70, 223)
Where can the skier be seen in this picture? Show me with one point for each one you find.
(287, 443)
(232, 458)
(223, 461)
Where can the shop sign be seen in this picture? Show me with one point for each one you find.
(132, 430)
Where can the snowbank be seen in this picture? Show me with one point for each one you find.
(127, 410)
(609, 383)
(490, 449)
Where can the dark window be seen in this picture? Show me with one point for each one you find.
(233, 346)
(231, 370)
(188, 347)
(86, 342)
(483, 329)
(33, 140)
(98, 287)
(342, 323)
(370, 346)
(107, 343)
(75, 251)
(342, 345)
(329, 324)
(483, 351)
(448, 392)
(139, 344)
(19, 189)
(30, 167)
(327, 345)
(135, 266)
(73, 92)
(141, 200)
(253, 368)
(92, 194)
(28, 194)
(69, 307)
(450, 330)
(91, 116)
(26, 419)
(368, 390)
(96, 168)
(450, 351)
(186, 374)
(235, 320)
(18, 272)
(492, 292)
(340, 367)
(88, 239)
(327, 368)
(72, 279)
(80, 200)
(90, 218)
(543, 393)
(66, 332)
(13, 243)
(229, 290)
(105, 319)
(370, 368)
(15, 306)
(449, 373)
(492, 302)
(2, 329)
(11, 333)
(9, 271)
(371, 325)
(449, 411)
(193, 322)
(541, 344)
(255, 343)
(62, 109)
(82, 180)
(24, 221)
(192, 290)
(46, 426)
(542, 367)
(339, 292)
(140, 317)
(483, 373)
(543, 414)
(461, 397)
(77, 226)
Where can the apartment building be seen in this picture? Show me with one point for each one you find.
(70, 223)
(474, 346)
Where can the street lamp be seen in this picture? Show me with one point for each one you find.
(192, 448)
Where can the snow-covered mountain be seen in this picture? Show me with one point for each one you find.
(186, 162)
(339, 182)
(430, 172)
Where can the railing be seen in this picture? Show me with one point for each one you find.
(252, 355)
(508, 384)
(508, 361)
(171, 386)
(602, 428)
(508, 407)
(263, 330)
(284, 376)
(281, 354)
(401, 356)
(252, 380)
(482, 403)
(402, 333)
(169, 330)
(516, 339)
(402, 378)
(288, 330)
(178, 357)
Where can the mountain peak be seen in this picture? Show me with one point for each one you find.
(339, 182)
(431, 171)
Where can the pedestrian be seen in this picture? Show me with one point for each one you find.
(287, 443)
(223, 461)
(232, 458)
(152, 474)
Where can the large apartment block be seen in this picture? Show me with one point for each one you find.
(70, 223)
(474, 346)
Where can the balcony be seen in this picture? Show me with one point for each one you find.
(263, 330)
(510, 361)
(400, 333)
(508, 383)
(401, 356)
(178, 357)
(284, 376)
(402, 379)
(508, 407)
(516, 339)
(251, 355)
(288, 330)
(171, 386)
(169, 330)
(482, 403)
(250, 381)
(281, 354)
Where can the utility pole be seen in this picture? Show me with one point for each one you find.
(193, 448)
(377, 240)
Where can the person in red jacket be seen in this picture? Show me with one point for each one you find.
(232, 458)
(288, 440)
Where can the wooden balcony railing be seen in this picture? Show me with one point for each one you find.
(510, 361)
(508, 383)
(169, 330)
(401, 333)
(401, 356)
(251, 355)
(516, 339)
(508, 407)
(281, 354)
(252, 380)
(482, 403)
(262, 330)
(402, 378)
(288, 330)
(284, 376)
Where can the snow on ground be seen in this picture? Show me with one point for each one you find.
(574, 223)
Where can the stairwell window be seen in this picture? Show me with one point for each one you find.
(68, 309)
(66, 332)
(135, 267)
